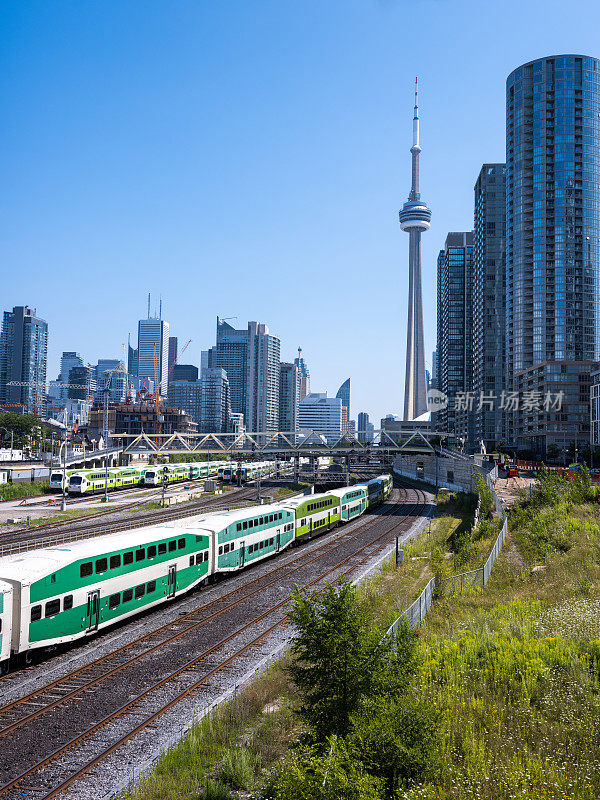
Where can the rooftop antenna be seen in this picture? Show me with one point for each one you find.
(148, 305)
(160, 306)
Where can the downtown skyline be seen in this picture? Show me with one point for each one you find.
(211, 237)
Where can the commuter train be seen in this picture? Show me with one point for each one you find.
(60, 594)
(249, 472)
(92, 481)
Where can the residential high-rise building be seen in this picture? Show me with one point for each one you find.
(216, 402)
(251, 360)
(415, 217)
(322, 414)
(153, 337)
(552, 248)
(364, 431)
(489, 305)
(455, 335)
(184, 372)
(289, 391)
(172, 353)
(23, 357)
(68, 360)
(83, 376)
(187, 395)
(343, 393)
(434, 369)
(303, 375)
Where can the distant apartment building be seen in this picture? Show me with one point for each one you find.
(186, 395)
(215, 416)
(250, 357)
(23, 359)
(172, 358)
(595, 406)
(104, 365)
(317, 412)
(67, 411)
(455, 336)
(289, 391)
(364, 431)
(489, 306)
(68, 360)
(82, 383)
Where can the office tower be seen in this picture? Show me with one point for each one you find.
(153, 337)
(103, 365)
(23, 356)
(552, 240)
(289, 391)
(322, 414)
(203, 360)
(119, 383)
(68, 360)
(455, 335)
(83, 376)
(303, 375)
(184, 372)
(172, 353)
(132, 358)
(415, 218)
(489, 305)
(215, 401)
(434, 369)
(186, 395)
(251, 360)
(343, 393)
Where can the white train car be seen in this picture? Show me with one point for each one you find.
(6, 614)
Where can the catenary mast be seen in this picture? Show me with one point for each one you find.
(415, 218)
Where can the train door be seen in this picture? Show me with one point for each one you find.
(242, 553)
(328, 520)
(92, 614)
(278, 541)
(172, 580)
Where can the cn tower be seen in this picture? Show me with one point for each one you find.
(415, 218)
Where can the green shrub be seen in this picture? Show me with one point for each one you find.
(214, 790)
(238, 768)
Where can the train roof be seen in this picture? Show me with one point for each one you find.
(345, 489)
(294, 502)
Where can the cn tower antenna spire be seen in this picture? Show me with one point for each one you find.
(414, 219)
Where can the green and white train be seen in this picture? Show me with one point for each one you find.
(93, 481)
(61, 594)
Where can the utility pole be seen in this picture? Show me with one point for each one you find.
(106, 478)
(63, 505)
(258, 486)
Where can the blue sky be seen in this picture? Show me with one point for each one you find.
(248, 158)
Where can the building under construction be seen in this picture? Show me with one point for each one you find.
(142, 418)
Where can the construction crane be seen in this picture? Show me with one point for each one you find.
(36, 386)
(183, 349)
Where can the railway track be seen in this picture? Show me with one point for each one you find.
(29, 538)
(130, 688)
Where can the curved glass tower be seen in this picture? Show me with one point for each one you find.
(552, 246)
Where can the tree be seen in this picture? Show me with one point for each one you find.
(335, 656)
(332, 774)
(396, 739)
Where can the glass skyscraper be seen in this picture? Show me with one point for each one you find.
(23, 357)
(552, 247)
(455, 334)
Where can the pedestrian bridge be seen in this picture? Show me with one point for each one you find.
(311, 443)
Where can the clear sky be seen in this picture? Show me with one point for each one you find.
(248, 158)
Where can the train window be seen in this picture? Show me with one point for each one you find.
(68, 602)
(199, 558)
(140, 554)
(114, 600)
(172, 545)
(128, 557)
(140, 591)
(270, 517)
(220, 551)
(151, 552)
(191, 561)
(245, 525)
(101, 565)
(261, 521)
(53, 577)
(36, 613)
(151, 587)
(162, 549)
(86, 569)
(206, 555)
(52, 608)
(127, 595)
(261, 545)
(239, 526)
(181, 543)
(115, 562)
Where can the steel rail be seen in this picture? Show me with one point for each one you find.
(181, 695)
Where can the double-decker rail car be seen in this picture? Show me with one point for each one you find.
(378, 489)
(58, 480)
(65, 593)
(353, 501)
(166, 473)
(6, 612)
(388, 484)
(314, 514)
(93, 481)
